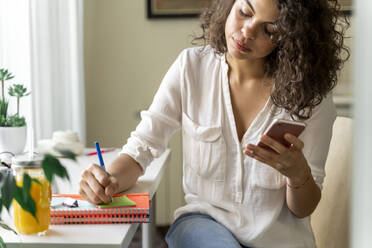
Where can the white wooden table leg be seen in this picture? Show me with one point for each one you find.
(149, 229)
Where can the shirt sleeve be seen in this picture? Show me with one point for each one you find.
(159, 122)
(317, 137)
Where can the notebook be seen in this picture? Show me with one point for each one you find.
(118, 219)
(87, 213)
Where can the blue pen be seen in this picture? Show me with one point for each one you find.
(100, 156)
(101, 159)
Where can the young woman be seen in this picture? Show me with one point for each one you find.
(262, 60)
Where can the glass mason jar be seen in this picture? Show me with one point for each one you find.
(41, 193)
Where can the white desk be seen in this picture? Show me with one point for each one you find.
(92, 236)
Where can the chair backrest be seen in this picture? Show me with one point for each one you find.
(330, 220)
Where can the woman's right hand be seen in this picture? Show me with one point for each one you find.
(97, 186)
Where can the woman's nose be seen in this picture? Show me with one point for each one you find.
(249, 30)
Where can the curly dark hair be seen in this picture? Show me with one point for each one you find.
(310, 49)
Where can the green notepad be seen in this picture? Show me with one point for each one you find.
(120, 201)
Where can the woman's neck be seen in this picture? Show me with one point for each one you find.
(245, 71)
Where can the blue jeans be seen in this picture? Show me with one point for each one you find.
(194, 230)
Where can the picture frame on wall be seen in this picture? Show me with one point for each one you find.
(175, 8)
(193, 8)
(346, 6)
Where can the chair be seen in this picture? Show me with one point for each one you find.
(330, 220)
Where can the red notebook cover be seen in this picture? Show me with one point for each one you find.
(88, 213)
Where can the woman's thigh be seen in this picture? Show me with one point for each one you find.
(193, 230)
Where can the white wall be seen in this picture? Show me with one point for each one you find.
(361, 217)
(126, 56)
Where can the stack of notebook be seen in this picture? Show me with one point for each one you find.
(125, 208)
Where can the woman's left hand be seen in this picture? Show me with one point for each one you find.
(290, 162)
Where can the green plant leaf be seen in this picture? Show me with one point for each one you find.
(8, 77)
(36, 181)
(2, 244)
(26, 185)
(52, 166)
(8, 187)
(11, 91)
(18, 90)
(3, 112)
(6, 227)
(66, 153)
(16, 121)
(5, 75)
(23, 196)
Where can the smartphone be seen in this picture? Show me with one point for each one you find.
(280, 127)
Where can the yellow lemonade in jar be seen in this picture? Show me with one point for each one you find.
(41, 193)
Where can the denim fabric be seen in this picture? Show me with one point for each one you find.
(194, 230)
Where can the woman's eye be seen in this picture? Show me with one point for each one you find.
(243, 14)
(269, 31)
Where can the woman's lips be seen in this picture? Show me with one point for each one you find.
(240, 46)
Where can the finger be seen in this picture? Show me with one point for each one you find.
(275, 165)
(112, 187)
(264, 153)
(99, 173)
(87, 193)
(97, 188)
(273, 144)
(257, 157)
(94, 186)
(82, 192)
(296, 142)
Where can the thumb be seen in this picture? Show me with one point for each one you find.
(112, 187)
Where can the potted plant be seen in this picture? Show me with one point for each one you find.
(13, 130)
(12, 192)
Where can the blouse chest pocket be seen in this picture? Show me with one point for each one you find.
(264, 176)
(204, 158)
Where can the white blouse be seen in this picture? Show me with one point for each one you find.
(245, 195)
